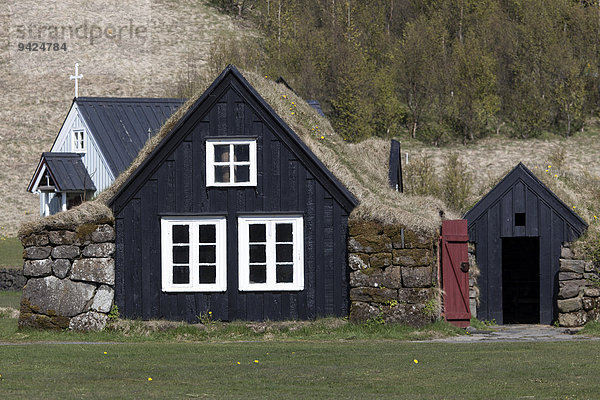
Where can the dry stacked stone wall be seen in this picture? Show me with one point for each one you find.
(70, 277)
(11, 279)
(579, 290)
(393, 274)
(473, 275)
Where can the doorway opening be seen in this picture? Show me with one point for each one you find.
(521, 280)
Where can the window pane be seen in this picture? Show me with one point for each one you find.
(221, 153)
(242, 173)
(208, 274)
(181, 274)
(285, 273)
(181, 234)
(258, 233)
(222, 173)
(258, 273)
(285, 252)
(284, 233)
(258, 253)
(181, 254)
(208, 234)
(207, 254)
(242, 152)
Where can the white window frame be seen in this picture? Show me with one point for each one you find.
(211, 163)
(244, 256)
(78, 144)
(194, 285)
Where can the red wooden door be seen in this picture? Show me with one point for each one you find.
(455, 275)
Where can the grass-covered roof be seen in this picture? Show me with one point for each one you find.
(361, 167)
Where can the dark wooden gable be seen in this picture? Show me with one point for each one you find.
(212, 104)
(520, 206)
(171, 182)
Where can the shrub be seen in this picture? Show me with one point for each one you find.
(420, 177)
(456, 184)
(558, 156)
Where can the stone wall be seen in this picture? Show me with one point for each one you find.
(11, 279)
(70, 277)
(579, 293)
(393, 274)
(473, 275)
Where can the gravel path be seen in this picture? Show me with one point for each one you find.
(518, 333)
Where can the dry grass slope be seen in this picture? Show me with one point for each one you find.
(37, 91)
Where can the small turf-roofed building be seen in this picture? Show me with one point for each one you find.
(98, 140)
(231, 213)
(518, 229)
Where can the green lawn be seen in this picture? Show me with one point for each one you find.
(10, 298)
(302, 369)
(11, 252)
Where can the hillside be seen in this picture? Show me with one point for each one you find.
(125, 48)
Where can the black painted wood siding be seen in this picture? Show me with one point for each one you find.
(496, 222)
(177, 186)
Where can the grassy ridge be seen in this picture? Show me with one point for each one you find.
(364, 369)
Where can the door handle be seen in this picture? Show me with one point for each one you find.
(464, 266)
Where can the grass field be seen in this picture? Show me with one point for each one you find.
(10, 298)
(301, 369)
(11, 252)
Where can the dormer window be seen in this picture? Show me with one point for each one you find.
(78, 141)
(231, 162)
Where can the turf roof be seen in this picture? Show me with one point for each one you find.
(361, 167)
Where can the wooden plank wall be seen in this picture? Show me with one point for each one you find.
(178, 187)
(498, 222)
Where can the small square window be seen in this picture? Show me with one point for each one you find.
(519, 219)
(231, 162)
(78, 141)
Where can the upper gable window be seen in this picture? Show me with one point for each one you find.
(78, 141)
(231, 162)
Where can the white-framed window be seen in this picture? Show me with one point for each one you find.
(271, 253)
(78, 141)
(231, 162)
(194, 254)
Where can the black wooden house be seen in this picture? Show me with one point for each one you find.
(518, 228)
(233, 214)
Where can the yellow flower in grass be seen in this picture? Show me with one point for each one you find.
(549, 166)
(255, 361)
(149, 379)
(416, 361)
(556, 175)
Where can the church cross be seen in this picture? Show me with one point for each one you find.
(76, 77)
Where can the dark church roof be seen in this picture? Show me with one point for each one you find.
(522, 175)
(121, 125)
(66, 170)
